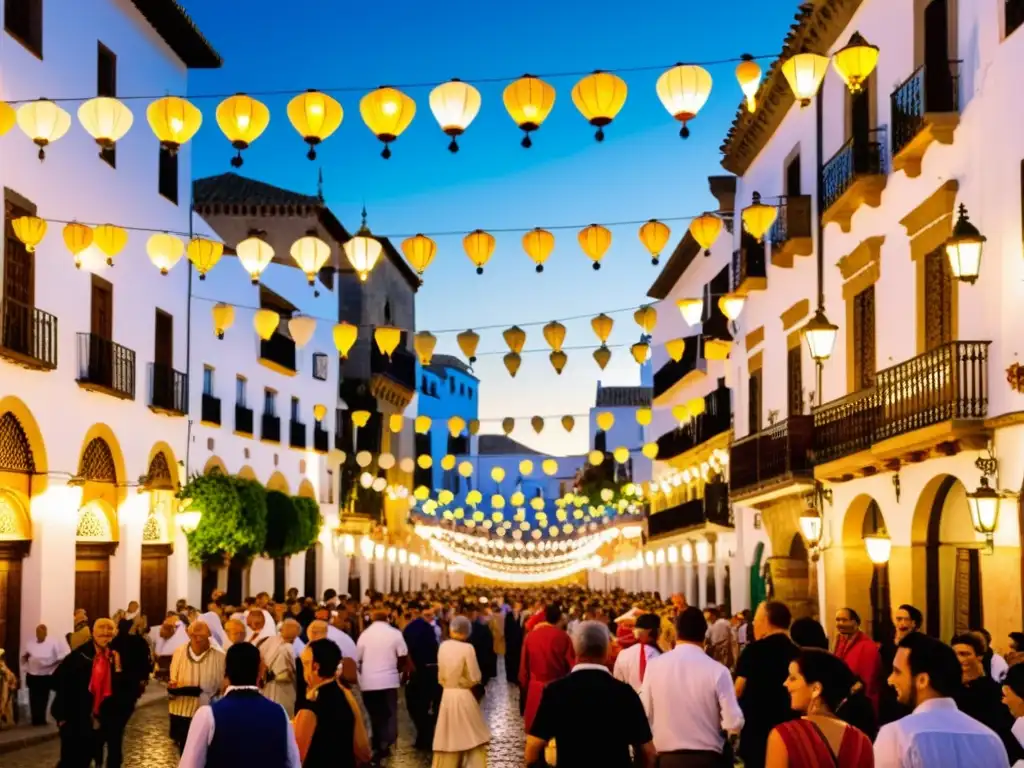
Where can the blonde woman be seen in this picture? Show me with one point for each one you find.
(462, 735)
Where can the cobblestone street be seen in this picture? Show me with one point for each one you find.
(146, 744)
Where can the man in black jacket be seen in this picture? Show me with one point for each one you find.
(513, 641)
(94, 701)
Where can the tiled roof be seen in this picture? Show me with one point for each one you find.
(629, 397)
(176, 27)
(439, 362)
(491, 445)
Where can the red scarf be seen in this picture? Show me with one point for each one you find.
(101, 680)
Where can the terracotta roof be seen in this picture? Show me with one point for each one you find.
(491, 445)
(176, 27)
(632, 397)
(816, 28)
(438, 363)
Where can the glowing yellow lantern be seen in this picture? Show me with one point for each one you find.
(731, 304)
(387, 112)
(654, 235)
(44, 122)
(602, 355)
(549, 467)
(174, 121)
(804, 73)
(301, 328)
(255, 255)
(595, 458)
(479, 247)
(420, 251)
(705, 229)
(692, 310)
(30, 230)
(424, 343)
(605, 420)
(758, 217)
(497, 474)
(517, 499)
(537, 423)
(599, 97)
(387, 338)
(696, 406)
(474, 426)
(223, 318)
(643, 416)
(345, 335)
(422, 424)
(455, 425)
(319, 411)
(595, 241)
(515, 337)
(683, 90)
(422, 493)
(204, 254)
(675, 349)
(558, 360)
(242, 119)
(8, 117)
(650, 451)
(512, 362)
(748, 74)
(164, 251)
(507, 425)
(529, 101)
(315, 116)
(445, 497)
(641, 352)
(105, 119)
(680, 412)
(455, 105)
(568, 422)
(466, 469)
(716, 349)
(447, 462)
(468, 342)
(396, 422)
(77, 237)
(265, 321)
(310, 253)
(363, 250)
(646, 317)
(525, 469)
(554, 335)
(360, 418)
(538, 244)
(855, 62)
(424, 461)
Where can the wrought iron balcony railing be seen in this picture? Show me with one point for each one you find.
(210, 409)
(793, 221)
(400, 368)
(925, 91)
(270, 428)
(716, 419)
(859, 156)
(28, 335)
(321, 439)
(280, 350)
(296, 434)
(168, 389)
(781, 451)
(243, 420)
(749, 270)
(712, 509)
(106, 366)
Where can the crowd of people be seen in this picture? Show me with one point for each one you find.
(608, 679)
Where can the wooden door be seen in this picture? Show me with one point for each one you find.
(309, 588)
(153, 583)
(938, 300)
(793, 183)
(163, 354)
(10, 601)
(102, 323)
(92, 587)
(938, 76)
(280, 576)
(236, 581)
(18, 297)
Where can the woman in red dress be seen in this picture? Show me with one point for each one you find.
(820, 686)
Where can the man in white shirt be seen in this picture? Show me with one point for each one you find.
(926, 674)
(689, 699)
(631, 664)
(279, 658)
(381, 652)
(341, 638)
(41, 658)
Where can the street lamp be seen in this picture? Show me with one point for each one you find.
(984, 503)
(879, 547)
(810, 526)
(963, 248)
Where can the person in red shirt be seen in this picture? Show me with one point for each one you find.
(860, 653)
(547, 656)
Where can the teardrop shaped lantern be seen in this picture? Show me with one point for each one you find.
(301, 328)
(30, 230)
(549, 467)
(360, 418)
(554, 335)
(448, 462)
(537, 423)
(731, 304)
(692, 310)
(683, 91)
(8, 117)
(204, 254)
(105, 119)
(716, 349)
(242, 119)
(595, 458)
(420, 251)
(174, 121)
(538, 244)
(164, 251)
(255, 255)
(643, 416)
(602, 325)
(646, 317)
(387, 338)
(473, 426)
(515, 337)
(479, 247)
(602, 355)
(44, 122)
(599, 97)
(468, 342)
(681, 413)
(650, 451)
(705, 230)
(424, 343)
(345, 335)
(319, 411)
(758, 217)
(507, 425)
(748, 74)
(310, 253)
(641, 352)
(455, 105)
(855, 62)
(605, 420)
(558, 360)
(497, 474)
(529, 101)
(77, 237)
(422, 425)
(675, 349)
(512, 362)
(396, 422)
(387, 112)
(223, 318)
(654, 235)
(804, 73)
(696, 406)
(363, 250)
(621, 454)
(315, 116)
(568, 422)
(265, 321)
(455, 425)
(595, 241)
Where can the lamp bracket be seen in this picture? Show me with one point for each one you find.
(987, 466)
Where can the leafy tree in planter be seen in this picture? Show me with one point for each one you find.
(234, 517)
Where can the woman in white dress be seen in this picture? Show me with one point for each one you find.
(462, 735)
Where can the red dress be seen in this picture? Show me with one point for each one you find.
(862, 657)
(547, 656)
(807, 748)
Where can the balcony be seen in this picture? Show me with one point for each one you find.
(297, 434)
(210, 410)
(716, 419)
(1014, 15)
(767, 464)
(713, 509)
(855, 176)
(321, 439)
(935, 400)
(168, 390)
(28, 336)
(673, 376)
(925, 109)
(791, 233)
(748, 266)
(270, 428)
(106, 367)
(393, 379)
(243, 420)
(278, 354)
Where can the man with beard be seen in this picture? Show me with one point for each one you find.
(908, 619)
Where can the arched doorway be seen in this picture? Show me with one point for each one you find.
(99, 469)
(310, 587)
(866, 584)
(157, 544)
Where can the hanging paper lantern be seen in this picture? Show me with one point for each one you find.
(517, 499)
(420, 251)
(748, 74)
(111, 240)
(537, 423)
(223, 318)
(387, 112)
(855, 62)
(705, 230)
(646, 317)
(360, 418)
(407, 465)
(364, 459)
(265, 322)
(468, 342)
(77, 237)
(310, 254)
(537, 503)
(602, 325)
(445, 497)
(345, 335)
(315, 116)
(255, 255)
(641, 352)
(164, 251)
(30, 230)
(174, 121)
(507, 425)
(568, 422)
(204, 254)
(387, 338)
(301, 328)
(529, 101)
(602, 355)
(455, 104)
(455, 425)
(683, 90)
(595, 458)
(696, 406)
(447, 462)
(512, 362)
(605, 420)
(8, 117)
(549, 467)
(319, 411)
(675, 349)
(422, 493)
(554, 335)
(515, 337)
(466, 469)
(654, 235)
(424, 343)
(525, 469)
(44, 122)
(759, 217)
(363, 250)
(106, 119)
(497, 474)
(692, 310)
(731, 304)
(538, 244)
(422, 425)
(424, 461)
(474, 426)
(242, 119)
(599, 97)
(479, 247)
(804, 73)
(595, 241)
(558, 361)
(643, 416)
(680, 412)
(716, 349)
(395, 422)
(621, 454)
(650, 451)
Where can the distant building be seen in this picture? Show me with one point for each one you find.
(447, 388)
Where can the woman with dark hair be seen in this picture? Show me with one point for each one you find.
(820, 687)
(808, 633)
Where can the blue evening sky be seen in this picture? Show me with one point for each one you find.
(642, 170)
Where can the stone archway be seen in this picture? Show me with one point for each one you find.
(866, 584)
(306, 489)
(95, 543)
(215, 466)
(277, 482)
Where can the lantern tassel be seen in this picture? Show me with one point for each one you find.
(236, 161)
(386, 153)
(202, 276)
(684, 132)
(42, 154)
(655, 261)
(454, 146)
(597, 265)
(312, 152)
(599, 135)
(526, 143)
(479, 270)
(540, 268)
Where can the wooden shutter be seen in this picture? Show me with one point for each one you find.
(864, 338)
(754, 403)
(795, 380)
(938, 300)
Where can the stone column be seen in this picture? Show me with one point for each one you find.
(363, 566)
(702, 585)
(182, 579)
(48, 572)
(720, 580)
(261, 576)
(688, 581)
(126, 564)
(295, 573)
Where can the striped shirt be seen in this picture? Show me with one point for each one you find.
(205, 671)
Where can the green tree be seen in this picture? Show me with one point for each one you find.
(234, 517)
(310, 522)
(282, 525)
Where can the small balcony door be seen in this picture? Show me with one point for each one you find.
(101, 326)
(938, 75)
(163, 359)
(19, 285)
